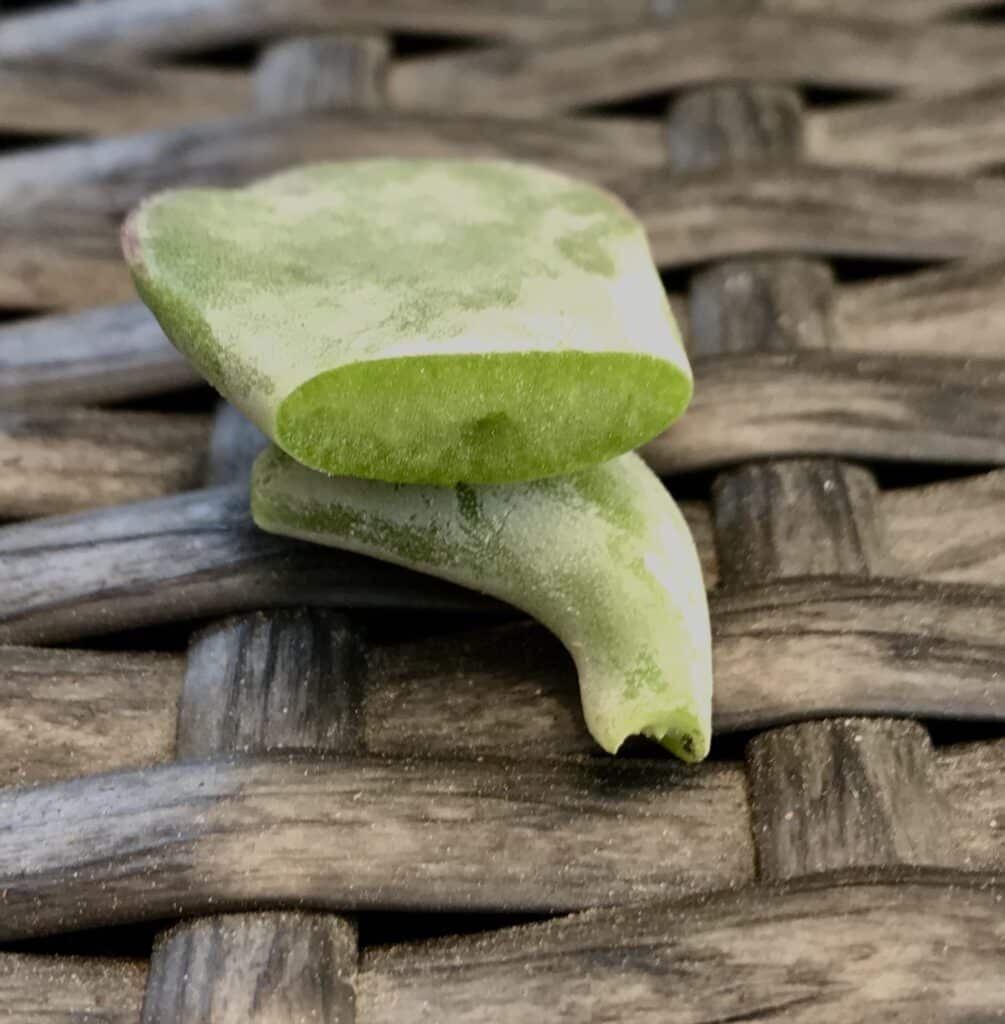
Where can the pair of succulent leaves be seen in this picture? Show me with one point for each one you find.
(495, 337)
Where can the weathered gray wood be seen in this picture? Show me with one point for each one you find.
(969, 781)
(874, 647)
(189, 556)
(634, 962)
(318, 73)
(287, 680)
(957, 310)
(178, 26)
(70, 990)
(962, 132)
(743, 306)
(111, 97)
(810, 648)
(928, 948)
(844, 404)
(68, 460)
(719, 127)
(953, 531)
(293, 968)
(829, 794)
(99, 355)
(701, 49)
(234, 443)
(779, 519)
(69, 713)
(814, 210)
(849, 792)
(363, 835)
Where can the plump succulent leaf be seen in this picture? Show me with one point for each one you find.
(601, 557)
(419, 321)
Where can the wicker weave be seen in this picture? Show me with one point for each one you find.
(232, 742)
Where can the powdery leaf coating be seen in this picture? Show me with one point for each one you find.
(602, 557)
(420, 321)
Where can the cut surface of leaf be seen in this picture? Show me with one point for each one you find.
(602, 557)
(424, 321)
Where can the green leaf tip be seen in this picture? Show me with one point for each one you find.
(602, 557)
(419, 321)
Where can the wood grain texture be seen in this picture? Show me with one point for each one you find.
(318, 73)
(798, 517)
(79, 97)
(845, 793)
(969, 781)
(954, 311)
(839, 948)
(808, 648)
(962, 132)
(730, 125)
(366, 834)
(842, 404)
(813, 210)
(287, 680)
(742, 306)
(179, 26)
(70, 990)
(876, 647)
(698, 50)
(96, 356)
(66, 713)
(189, 556)
(928, 948)
(68, 460)
(294, 968)
(952, 531)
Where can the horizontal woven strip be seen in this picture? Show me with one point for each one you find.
(879, 646)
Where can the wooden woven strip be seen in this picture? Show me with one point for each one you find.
(67, 990)
(962, 132)
(828, 794)
(73, 459)
(955, 310)
(230, 835)
(802, 954)
(95, 356)
(76, 97)
(272, 968)
(699, 50)
(800, 951)
(283, 681)
(952, 531)
(876, 647)
(183, 557)
(836, 403)
(846, 793)
(177, 26)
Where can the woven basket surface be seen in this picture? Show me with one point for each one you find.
(244, 779)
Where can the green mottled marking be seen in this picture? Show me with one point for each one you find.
(419, 321)
(602, 557)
